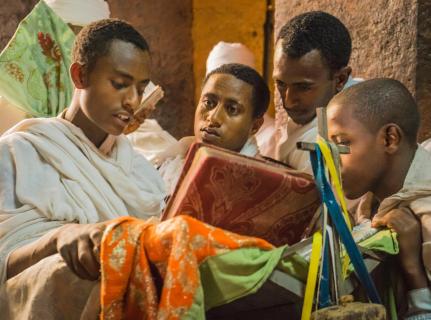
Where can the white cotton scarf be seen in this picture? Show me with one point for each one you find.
(51, 174)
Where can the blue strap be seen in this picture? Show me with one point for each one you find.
(329, 200)
(324, 294)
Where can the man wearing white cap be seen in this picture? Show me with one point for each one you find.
(225, 52)
(157, 145)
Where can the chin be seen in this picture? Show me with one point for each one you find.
(300, 119)
(114, 131)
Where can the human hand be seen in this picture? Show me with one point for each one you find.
(79, 246)
(408, 228)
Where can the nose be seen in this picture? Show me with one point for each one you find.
(131, 99)
(288, 99)
(215, 116)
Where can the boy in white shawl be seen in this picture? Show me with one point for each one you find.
(379, 120)
(61, 178)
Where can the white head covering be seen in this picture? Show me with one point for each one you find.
(224, 52)
(80, 12)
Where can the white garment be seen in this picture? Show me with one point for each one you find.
(51, 174)
(427, 145)
(265, 136)
(151, 140)
(80, 12)
(172, 167)
(286, 150)
(352, 81)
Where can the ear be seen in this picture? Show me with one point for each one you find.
(79, 75)
(341, 77)
(257, 123)
(392, 137)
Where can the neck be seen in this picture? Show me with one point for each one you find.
(75, 115)
(393, 180)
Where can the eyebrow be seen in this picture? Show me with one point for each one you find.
(130, 77)
(213, 95)
(305, 81)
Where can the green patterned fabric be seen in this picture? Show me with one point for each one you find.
(34, 66)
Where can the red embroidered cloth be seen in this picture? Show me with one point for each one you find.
(245, 195)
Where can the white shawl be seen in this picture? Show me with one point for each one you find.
(51, 174)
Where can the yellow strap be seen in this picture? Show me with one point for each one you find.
(335, 179)
(310, 288)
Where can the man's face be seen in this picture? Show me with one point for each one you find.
(224, 115)
(303, 84)
(115, 86)
(362, 170)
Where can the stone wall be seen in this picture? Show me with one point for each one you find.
(167, 26)
(389, 38)
(11, 13)
(230, 21)
(423, 75)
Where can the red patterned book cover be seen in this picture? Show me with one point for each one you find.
(245, 195)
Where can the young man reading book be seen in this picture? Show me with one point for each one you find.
(379, 120)
(233, 101)
(62, 177)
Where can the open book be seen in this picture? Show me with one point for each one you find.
(152, 95)
(245, 195)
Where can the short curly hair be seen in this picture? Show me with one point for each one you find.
(94, 40)
(380, 101)
(317, 30)
(242, 72)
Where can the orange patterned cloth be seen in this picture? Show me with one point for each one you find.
(176, 247)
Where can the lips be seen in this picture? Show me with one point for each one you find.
(123, 118)
(209, 134)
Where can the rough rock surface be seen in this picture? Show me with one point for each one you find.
(167, 26)
(423, 71)
(11, 13)
(390, 39)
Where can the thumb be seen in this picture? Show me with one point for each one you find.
(378, 222)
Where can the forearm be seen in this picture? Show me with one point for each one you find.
(28, 255)
(415, 276)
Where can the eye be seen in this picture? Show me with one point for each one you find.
(232, 109)
(118, 85)
(208, 103)
(343, 142)
(280, 84)
(303, 87)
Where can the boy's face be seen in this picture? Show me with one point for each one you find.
(303, 83)
(224, 115)
(114, 87)
(363, 168)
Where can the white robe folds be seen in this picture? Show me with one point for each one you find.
(51, 174)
